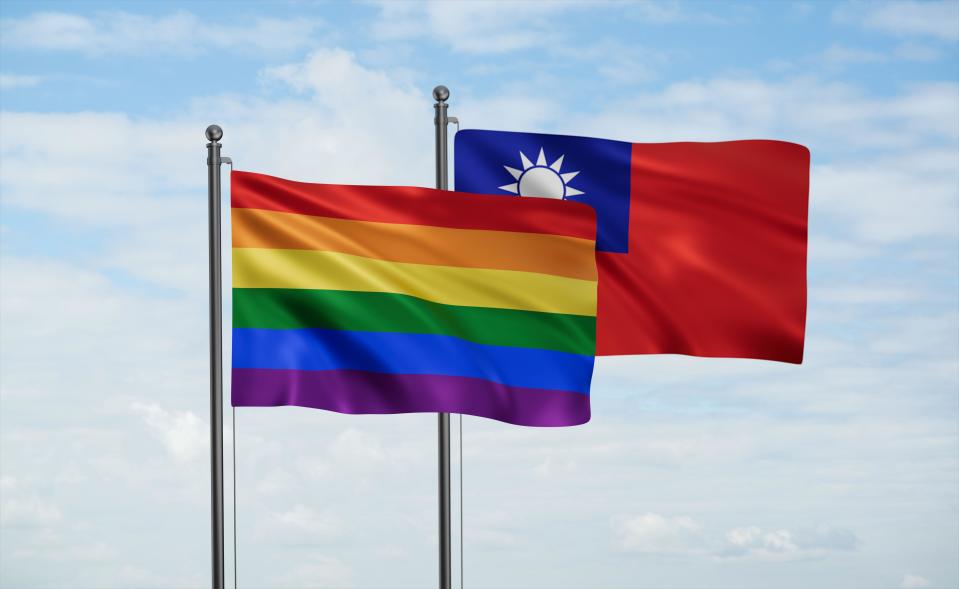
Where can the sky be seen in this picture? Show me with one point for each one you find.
(693, 473)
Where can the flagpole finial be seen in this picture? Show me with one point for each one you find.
(441, 93)
(215, 133)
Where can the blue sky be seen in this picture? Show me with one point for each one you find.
(694, 473)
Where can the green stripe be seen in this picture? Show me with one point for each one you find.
(283, 308)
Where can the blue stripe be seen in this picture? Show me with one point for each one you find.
(410, 353)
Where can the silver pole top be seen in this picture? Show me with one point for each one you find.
(215, 133)
(441, 93)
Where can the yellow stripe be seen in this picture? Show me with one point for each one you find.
(417, 244)
(473, 287)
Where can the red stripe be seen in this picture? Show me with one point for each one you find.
(414, 206)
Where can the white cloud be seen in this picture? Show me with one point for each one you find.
(114, 170)
(552, 466)
(276, 481)
(41, 327)
(620, 64)
(914, 582)
(863, 295)
(112, 33)
(933, 19)
(523, 111)
(391, 551)
(11, 81)
(825, 249)
(765, 545)
(95, 552)
(916, 52)
(184, 435)
(838, 54)
(653, 533)
(28, 511)
(894, 198)
(657, 534)
(661, 12)
(487, 27)
(490, 539)
(360, 455)
(346, 129)
(785, 545)
(473, 27)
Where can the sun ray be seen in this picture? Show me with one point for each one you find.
(541, 179)
(558, 164)
(526, 163)
(541, 160)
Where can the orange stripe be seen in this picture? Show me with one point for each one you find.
(419, 244)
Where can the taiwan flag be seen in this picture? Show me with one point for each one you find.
(701, 247)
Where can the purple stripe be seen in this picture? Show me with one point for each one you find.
(356, 391)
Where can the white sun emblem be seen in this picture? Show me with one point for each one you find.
(541, 180)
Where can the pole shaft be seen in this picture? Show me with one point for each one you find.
(216, 362)
(445, 521)
(441, 122)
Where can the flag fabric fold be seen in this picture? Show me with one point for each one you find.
(701, 247)
(362, 299)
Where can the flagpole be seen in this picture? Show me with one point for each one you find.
(214, 133)
(441, 121)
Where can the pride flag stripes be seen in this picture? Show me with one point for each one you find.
(391, 299)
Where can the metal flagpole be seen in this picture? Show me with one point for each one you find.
(214, 133)
(440, 121)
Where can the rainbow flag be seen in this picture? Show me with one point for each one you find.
(374, 299)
